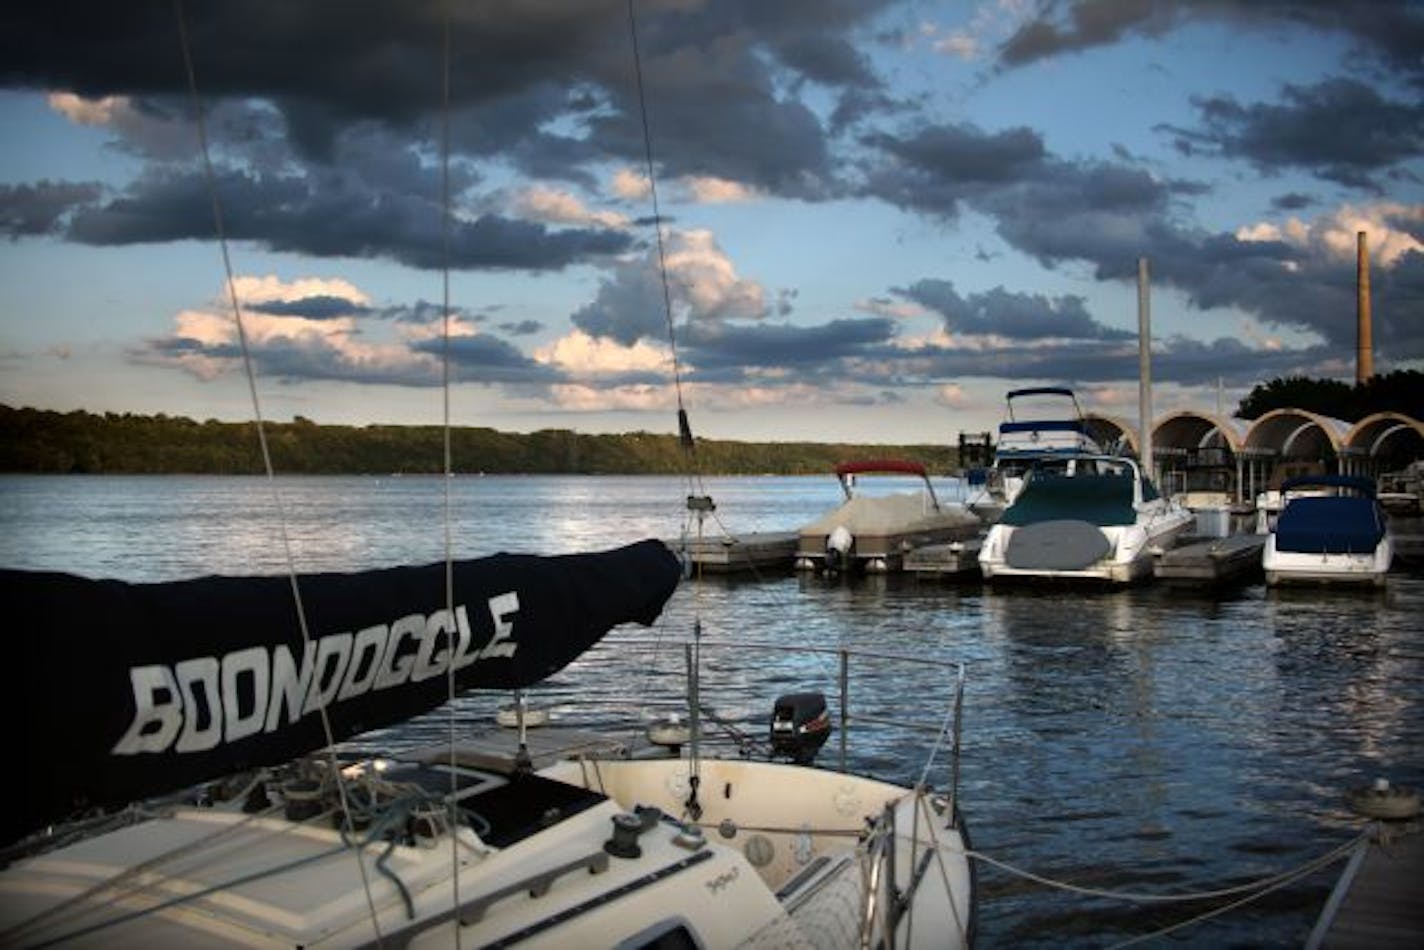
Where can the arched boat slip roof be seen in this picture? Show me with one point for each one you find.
(1199, 430)
(1285, 433)
(1375, 434)
(1110, 430)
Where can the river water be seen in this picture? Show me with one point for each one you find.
(1157, 739)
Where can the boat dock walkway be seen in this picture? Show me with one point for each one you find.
(742, 553)
(1215, 560)
(959, 559)
(1378, 902)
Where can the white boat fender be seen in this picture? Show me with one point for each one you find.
(1385, 801)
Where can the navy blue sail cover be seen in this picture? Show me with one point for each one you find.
(120, 691)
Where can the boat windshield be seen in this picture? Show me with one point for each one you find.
(1051, 494)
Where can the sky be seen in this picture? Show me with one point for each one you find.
(866, 221)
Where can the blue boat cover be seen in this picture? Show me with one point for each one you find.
(1356, 483)
(1330, 525)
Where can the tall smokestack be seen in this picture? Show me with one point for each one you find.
(1364, 345)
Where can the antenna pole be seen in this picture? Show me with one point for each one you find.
(1144, 366)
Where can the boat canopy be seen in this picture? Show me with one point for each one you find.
(1041, 391)
(1046, 425)
(1100, 499)
(1330, 525)
(881, 466)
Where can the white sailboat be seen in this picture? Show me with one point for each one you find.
(185, 792)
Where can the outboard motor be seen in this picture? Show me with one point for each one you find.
(838, 549)
(800, 725)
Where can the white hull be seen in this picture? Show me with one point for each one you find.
(778, 858)
(1087, 518)
(1297, 567)
(1329, 529)
(1133, 552)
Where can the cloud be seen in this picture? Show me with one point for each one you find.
(44, 207)
(327, 329)
(1108, 215)
(604, 363)
(1392, 31)
(703, 285)
(540, 203)
(1339, 129)
(1017, 316)
(330, 218)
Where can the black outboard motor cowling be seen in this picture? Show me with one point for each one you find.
(800, 725)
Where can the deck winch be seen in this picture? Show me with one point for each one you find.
(800, 725)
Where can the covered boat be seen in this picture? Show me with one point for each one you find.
(1089, 517)
(871, 532)
(1331, 528)
(1040, 424)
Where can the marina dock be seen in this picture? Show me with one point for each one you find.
(1215, 560)
(743, 553)
(957, 559)
(1376, 903)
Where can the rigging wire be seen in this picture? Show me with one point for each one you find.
(211, 180)
(445, 223)
(699, 503)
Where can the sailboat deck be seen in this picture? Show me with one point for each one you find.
(498, 749)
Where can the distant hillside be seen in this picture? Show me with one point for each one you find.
(39, 441)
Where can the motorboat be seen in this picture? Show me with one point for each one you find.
(1040, 423)
(1331, 529)
(1086, 517)
(872, 532)
(546, 838)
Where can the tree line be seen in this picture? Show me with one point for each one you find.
(1400, 391)
(43, 441)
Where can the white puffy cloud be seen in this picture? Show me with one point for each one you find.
(541, 203)
(1335, 233)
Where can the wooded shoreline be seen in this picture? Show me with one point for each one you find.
(46, 442)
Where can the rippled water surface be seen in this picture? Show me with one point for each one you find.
(1156, 739)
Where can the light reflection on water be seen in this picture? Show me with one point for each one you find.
(1154, 738)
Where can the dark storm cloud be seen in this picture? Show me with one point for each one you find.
(1392, 30)
(1340, 130)
(522, 328)
(486, 359)
(317, 307)
(344, 100)
(289, 213)
(1014, 315)
(629, 306)
(1109, 215)
(722, 351)
(41, 208)
(1177, 360)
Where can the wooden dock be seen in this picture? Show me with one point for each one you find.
(1217, 560)
(743, 553)
(1378, 903)
(957, 559)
